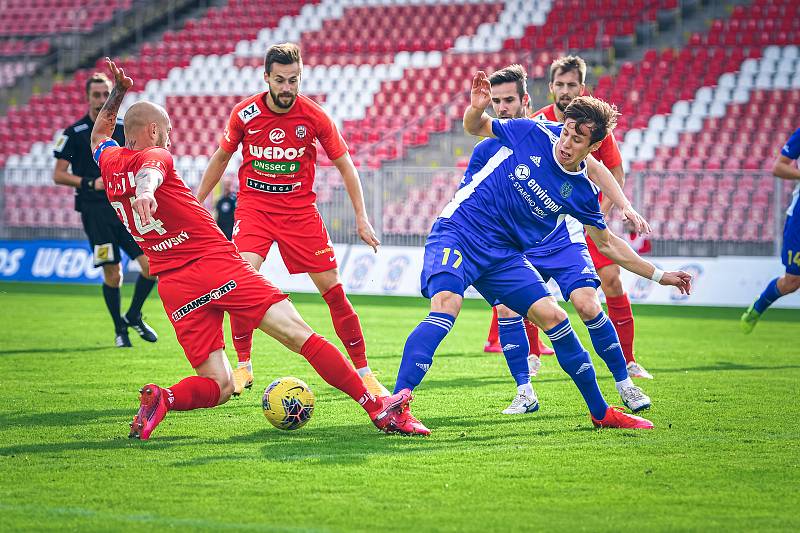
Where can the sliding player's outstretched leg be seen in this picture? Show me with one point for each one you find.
(575, 361)
(211, 387)
(283, 323)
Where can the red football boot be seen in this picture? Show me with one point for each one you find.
(492, 347)
(387, 418)
(412, 425)
(545, 349)
(152, 409)
(616, 418)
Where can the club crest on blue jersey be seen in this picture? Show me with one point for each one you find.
(566, 189)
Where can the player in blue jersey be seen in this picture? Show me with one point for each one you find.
(563, 256)
(785, 168)
(520, 197)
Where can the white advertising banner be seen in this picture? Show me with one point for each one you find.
(394, 270)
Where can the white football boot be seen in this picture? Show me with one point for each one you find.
(634, 399)
(522, 404)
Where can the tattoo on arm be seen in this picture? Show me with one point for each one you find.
(107, 118)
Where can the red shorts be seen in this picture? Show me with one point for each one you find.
(302, 239)
(196, 295)
(598, 259)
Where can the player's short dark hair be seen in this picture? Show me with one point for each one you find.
(97, 77)
(599, 116)
(565, 64)
(512, 73)
(283, 54)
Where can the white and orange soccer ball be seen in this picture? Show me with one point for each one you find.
(288, 403)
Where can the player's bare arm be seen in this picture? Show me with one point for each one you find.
(147, 181)
(352, 183)
(612, 191)
(216, 167)
(107, 118)
(476, 121)
(62, 176)
(784, 168)
(619, 175)
(618, 251)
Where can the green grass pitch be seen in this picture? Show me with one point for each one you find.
(724, 454)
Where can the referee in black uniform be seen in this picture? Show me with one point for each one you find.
(106, 233)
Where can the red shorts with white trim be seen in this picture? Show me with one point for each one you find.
(302, 238)
(196, 296)
(598, 259)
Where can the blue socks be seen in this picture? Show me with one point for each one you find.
(770, 294)
(606, 344)
(515, 347)
(419, 349)
(576, 362)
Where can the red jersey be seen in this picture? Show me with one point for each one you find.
(279, 152)
(608, 153)
(181, 230)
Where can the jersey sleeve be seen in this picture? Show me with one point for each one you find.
(65, 145)
(101, 148)
(330, 138)
(510, 132)
(158, 159)
(233, 134)
(588, 213)
(792, 147)
(609, 153)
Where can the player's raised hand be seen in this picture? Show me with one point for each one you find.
(680, 279)
(367, 233)
(481, 94)
(121, 81)
(640, 225)
(145, 206)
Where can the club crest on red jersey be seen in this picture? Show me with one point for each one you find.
(300, 132)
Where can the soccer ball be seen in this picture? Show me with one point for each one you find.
(288, 403)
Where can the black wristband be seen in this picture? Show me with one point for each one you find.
(87, 184)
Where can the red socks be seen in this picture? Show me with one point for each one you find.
(494, 336)
(533, 337)
(242, 340)
(621, 315)
(331, 365)
(193, 392)
(346, 324)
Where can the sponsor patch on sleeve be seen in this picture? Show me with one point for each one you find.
(61, 142)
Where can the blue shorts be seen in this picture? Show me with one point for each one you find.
(790, 253)
(454, 261)
(571, 266)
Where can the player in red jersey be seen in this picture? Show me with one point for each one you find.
(567, 77)
(278, 130)
(201, 275)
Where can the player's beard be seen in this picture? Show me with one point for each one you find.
(276, 99)
(561, 105)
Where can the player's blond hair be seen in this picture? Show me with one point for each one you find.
(513, 73)
(283, 54)
(599, 116)
(565, 64)
(97, 77)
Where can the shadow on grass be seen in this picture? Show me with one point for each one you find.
(62, 419)
(722, 366)
(58, 350)
(115, 443)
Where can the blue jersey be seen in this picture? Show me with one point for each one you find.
(564, 235)
(521, 196)
(792, 150)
